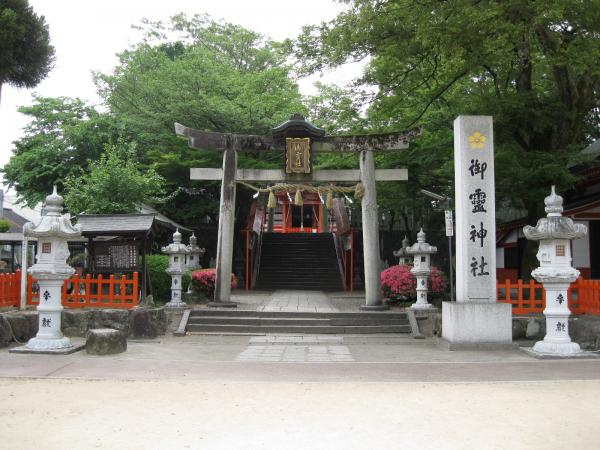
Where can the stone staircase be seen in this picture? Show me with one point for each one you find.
(261, 322)
(300, 261)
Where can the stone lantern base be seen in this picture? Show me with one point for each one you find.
(37, 343)
(557, 348)
(49, 351)
(421, 306)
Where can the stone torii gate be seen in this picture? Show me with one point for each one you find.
(300, 140)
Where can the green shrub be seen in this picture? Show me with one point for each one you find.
(161, 280)
(77, 260)
(4, 225)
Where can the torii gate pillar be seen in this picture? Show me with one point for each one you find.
(370, 225)
(226, 227)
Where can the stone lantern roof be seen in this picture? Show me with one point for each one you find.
(554, 226)
(402, 252)
(53, 223)
(176, 247)
(193, 246)
(421, 247)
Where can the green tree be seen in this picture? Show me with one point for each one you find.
(62, 136)
(530, 64)
(207, 75)
(26, 55)
(114, 184)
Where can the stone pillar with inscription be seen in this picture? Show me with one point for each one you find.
(177, 252)
(422, 252)
(476, 317)
(556, 273)
(51, 269)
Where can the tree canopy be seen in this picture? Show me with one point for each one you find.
(207, 75)
(114, 184)
(532, 65)
(63, 135)
(26, 55)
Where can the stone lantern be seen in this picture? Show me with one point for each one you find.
(177, 253)
(555, 233)
(52, 231)
(403, 256)
(194, 254)
(421, 252)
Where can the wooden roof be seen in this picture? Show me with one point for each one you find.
(123, 224)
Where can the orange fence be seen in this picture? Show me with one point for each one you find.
(585, 296)
(77, 292)
(10, 289)
(527, 298)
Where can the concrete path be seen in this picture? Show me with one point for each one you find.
(297, 301)
(376, 358)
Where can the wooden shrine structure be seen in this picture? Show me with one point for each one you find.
(298, 141)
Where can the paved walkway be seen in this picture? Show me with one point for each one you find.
(297, 301)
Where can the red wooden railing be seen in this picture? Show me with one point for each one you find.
(527, 298)
(584, 295)
(100, 292)
(77, 292)
(10, 289)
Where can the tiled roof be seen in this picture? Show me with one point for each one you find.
(94, 224)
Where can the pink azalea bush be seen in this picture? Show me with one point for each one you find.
(204, 281)
(397, 282)
(437, 281)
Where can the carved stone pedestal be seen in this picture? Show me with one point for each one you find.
(556, 274)
(51, 269)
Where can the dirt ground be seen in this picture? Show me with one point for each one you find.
(172, 414)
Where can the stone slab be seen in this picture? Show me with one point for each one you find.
(477, 323)
(484, 346)
(538, 355)
(105, 341)
(374, 307)
(222, 305)
(416, 333)
(59, 351)
(183, 323)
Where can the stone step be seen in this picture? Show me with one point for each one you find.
(384, 315)
(303, 261)
(304, 264)
(293, 321)
(275, 275)
(299, 329)
(297, 236)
